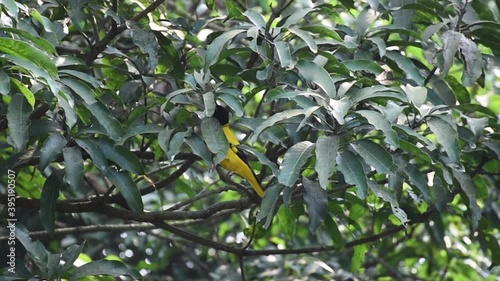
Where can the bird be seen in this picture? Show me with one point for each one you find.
(236, 160)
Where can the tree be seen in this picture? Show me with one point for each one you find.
(372, 126)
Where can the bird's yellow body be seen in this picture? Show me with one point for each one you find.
(235, 160)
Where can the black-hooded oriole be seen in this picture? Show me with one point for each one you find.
(235, 160)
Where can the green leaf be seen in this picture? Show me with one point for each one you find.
(69, 257)
(463, 96)
(322, 31)
(30, 97)
(353, 171)
(298, 15)
(256, 18)
(27, 52)
(356, 95)
(313, 73)
(51, 149)
(11, 7)
(106, 119)
(375, 155)
(92, 148)
(407, 65)
(417, 95)
(4, 83)
(127, 188)
(381, 123)
(209, 102)
(287, 221)
(339, 109)
(48, 201)
(34, 70)
(36, 250)
(199, 148)
(305, 36)
(104, 267)
(334, 231)
(447, 136)
(468, 187)
(39, 41)
(358, 257)
(81, 89)
(66, 102)
(121, 156)
(140, 130)
(18, 118)
(216, 47)
(146, 41)
(272, 120)
(164, 138)
(73, 167)
(326, 153)
(418, 180)
(213, 135)
(295, 157)
(363, 65)
(316, 199)
(390, 197)
(365, 18)
(284, 54)
(269, 204)
(176, 142)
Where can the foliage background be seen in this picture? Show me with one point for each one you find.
(373, 125)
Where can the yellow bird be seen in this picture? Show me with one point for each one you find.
(235, 160)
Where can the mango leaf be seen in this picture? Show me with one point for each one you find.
(316, 199)
(102, 114)
(295, 157)
(256, 18)
(364, 65)
(287, 221)
(375, 155)
(470, 190)
(30, 97)
(284, 54)
(313, 73)
(381, 123)
(176, 142)
(272, 120)
(447, 136)
(216, 47)
(407, 65)
(18, 118)
(353, 171)
(28, 52)
(417, 95)
(418, 180)
(334, 231)
(269, 204)
(199, 148)
(73, 167)
(356, 95)
(326, 153)
(104, 267)
(213, 135)
(358, 257)
(127, 188)
(48, 201)
(121, 156)
(304, 35)
(92, 148)
(339, 109)
(51, 149)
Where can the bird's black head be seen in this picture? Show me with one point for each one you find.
(221, 114)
